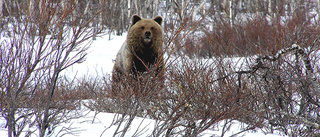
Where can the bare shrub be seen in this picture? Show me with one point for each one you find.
(289, 90)
(251, 36)
(37, 46)
(194, 100)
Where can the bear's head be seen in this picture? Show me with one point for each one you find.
(146, 30)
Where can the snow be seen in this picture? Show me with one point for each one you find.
(99, 60)
(100, 57)
(92, 125)
(98, 125)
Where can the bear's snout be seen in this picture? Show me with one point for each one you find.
(148, 33)
(147, 37)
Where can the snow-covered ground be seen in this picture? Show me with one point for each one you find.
(100, 57)
(95, 125)
(99, 60)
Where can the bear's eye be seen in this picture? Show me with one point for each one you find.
(152, 28)
(142, 28)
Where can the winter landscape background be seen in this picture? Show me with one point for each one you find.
(233, 68)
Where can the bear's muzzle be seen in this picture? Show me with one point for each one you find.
(147, 37)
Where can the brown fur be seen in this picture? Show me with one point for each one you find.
(141, 50)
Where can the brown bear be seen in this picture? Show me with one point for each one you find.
(142, 51)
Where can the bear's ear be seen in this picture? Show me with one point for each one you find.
(135, 19)
(158, 19)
